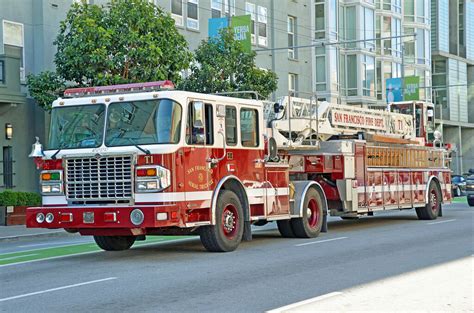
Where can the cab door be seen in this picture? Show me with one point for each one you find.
(199, 139)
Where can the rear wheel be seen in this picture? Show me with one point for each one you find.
(470, 201)
(226, 235)
(310, 224)
(284, 227)
(114, 243)
(431, 210)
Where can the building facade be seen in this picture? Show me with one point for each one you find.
(341, 51)
(453, 76)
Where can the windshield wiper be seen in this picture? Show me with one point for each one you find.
(144, 150)
(53, 157)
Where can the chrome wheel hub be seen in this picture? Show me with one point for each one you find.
(229, 221)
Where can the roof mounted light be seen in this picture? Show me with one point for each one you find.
(124, 88)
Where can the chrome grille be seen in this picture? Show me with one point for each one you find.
(105, 178)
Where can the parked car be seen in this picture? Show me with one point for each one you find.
(458, 184)
(470, 190)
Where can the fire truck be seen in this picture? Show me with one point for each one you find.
(127, 161)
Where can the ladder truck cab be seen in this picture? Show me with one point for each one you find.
(127, 161)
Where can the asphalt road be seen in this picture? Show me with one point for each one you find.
(266, 273)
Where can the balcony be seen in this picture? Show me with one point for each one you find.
(10, 86)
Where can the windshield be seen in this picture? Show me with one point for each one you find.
(77, 126)
(143, 122)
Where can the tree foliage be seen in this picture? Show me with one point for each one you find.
(123, 42)
(222, 65)
(45, 87)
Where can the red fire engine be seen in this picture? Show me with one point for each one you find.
(127, 161)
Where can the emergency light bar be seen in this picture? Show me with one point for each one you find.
(123, 88)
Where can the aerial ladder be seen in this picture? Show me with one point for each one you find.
(302, 123)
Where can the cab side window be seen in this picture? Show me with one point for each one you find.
(231, 125)
(199, 126)
(249, 127)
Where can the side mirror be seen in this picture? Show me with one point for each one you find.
(277, 108)
(198, 114)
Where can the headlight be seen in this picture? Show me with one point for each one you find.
(49, 217)
(51, 188)
(40, 218)
(137, 217)
(152, 179)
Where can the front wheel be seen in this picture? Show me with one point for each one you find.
(114, 243)
(226, 235)
(309, 226)
(431, 210)
(470, 201)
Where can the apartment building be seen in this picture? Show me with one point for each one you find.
(452, 39)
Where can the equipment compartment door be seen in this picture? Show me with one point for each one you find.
(277, 198)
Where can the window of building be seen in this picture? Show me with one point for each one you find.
(420, 46)
(319, 20)
(292, 83)
(420, 11)
(2, 72)
(352, 75)
(291, 24)
(332, 18)
(379, 85)
(387, 32)
(396, 42)
(250, 10)
(229, 7)
(368, 83)
(177, 12)
(369, 29)
(192, 20)
(7, 168)
(216, 8)
(231, 125)
(320, 69)
(409, 45)
(13, 35)
(262, 26)
(351, 26)
(387, 5)
(397, 6)
(409, 7)
(249, 127)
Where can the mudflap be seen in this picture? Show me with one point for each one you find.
(324, 228)
(247, 236)
(440, 212)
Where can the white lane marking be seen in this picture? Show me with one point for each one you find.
(446, 221)
(18, 256)
(56, 289)
(304, 302)
(99, 251)
(319, 241)
(54, 244)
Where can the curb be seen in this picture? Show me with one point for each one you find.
(61, 233)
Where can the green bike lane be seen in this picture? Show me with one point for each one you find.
(70, 250)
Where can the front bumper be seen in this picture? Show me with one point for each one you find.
(95, 217)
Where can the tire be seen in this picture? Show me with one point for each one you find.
(470, 201)
(226, 235)
(431, 210)
(349, 217)
(114, 243)
(284, 227)
(309, 226)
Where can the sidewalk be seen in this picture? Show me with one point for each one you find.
(20, 232)
(446, 287)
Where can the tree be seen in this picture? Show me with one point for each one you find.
(125, 41)
(45, 88)
(222, 65)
